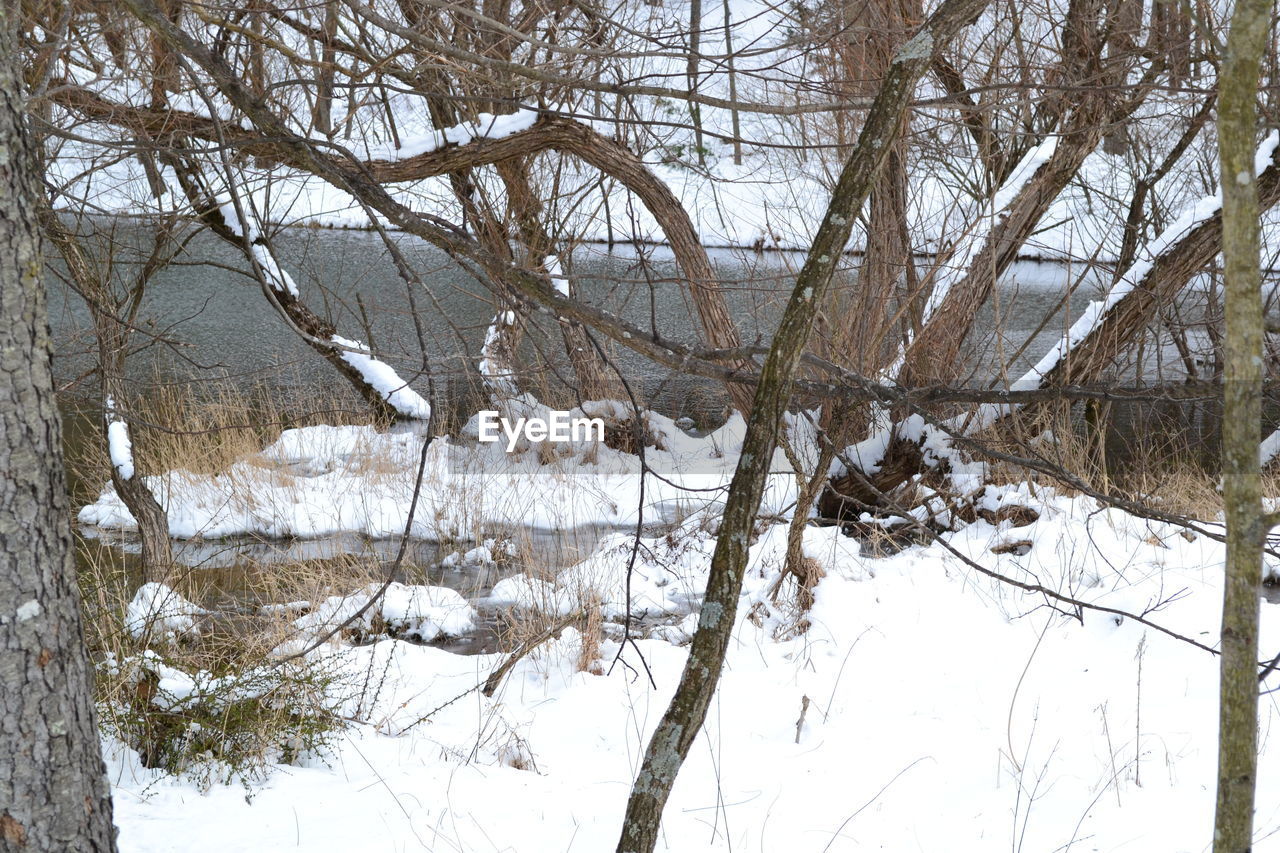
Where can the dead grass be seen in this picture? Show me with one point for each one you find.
(1167, 470)
(248, 711)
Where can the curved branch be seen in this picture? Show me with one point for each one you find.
(549, 132)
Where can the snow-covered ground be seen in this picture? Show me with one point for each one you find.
(926, 707)
(325, 480)
(945, 712)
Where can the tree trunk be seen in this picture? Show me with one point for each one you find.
(735, 121)
(322, 112)
(1241, 428)
(152, 520)
(934, 355)
(680, 724)
(691, 73)
(113, 333)
(53, 787)
(525, 208)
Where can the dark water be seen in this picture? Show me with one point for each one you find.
(217, 325)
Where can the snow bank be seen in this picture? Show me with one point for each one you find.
(323, 480)
(160, 613)
(422, 613)
(918, 680)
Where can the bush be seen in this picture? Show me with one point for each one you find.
(218, 728)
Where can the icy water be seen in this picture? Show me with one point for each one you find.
(223, 575)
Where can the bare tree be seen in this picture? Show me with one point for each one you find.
(1242, 374)
(114, 315)
(682, 721)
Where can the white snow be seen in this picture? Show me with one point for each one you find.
(384, 379)
(422, 613)
(944, 711)
(119, 446)
(318, 481)
(493, 365)
(556, 272)
(277, 278)
(481, 555)
(1268, 449)
(159, 613)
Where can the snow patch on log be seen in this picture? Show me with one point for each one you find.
(383, 379)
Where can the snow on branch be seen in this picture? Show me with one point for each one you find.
(556, 272)
(495, 366)
(988, 216)
(486, 126)
(383, 379)
(277, 279)
(1133, 277)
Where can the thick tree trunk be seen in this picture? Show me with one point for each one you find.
(1241, 428)
(863, 334)
(53, 788)
(680, 725)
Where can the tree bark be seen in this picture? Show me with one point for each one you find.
(53, 788)
(679, 726)
(691, 74)
(1241, 428)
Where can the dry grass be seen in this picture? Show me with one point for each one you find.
(248, 711)
(201, 428)
(1175, 472)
